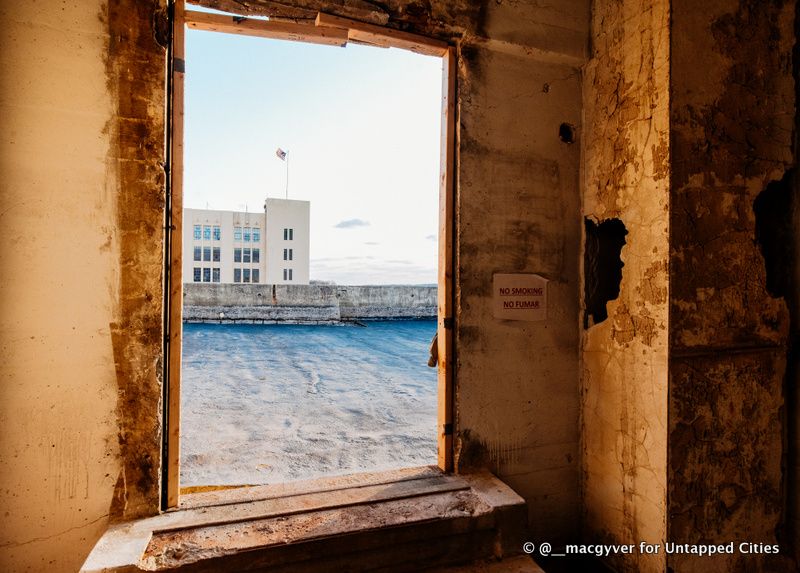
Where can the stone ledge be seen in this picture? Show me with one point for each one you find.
(404, 520)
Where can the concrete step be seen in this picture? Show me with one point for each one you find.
(406, 520)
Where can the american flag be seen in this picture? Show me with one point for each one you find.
(281, 154)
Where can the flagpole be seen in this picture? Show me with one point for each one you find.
(284, 156)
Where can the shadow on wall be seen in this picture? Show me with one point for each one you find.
(602, 267)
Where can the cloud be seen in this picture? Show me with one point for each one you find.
(431, 237)
(351, 223)
(344, 272)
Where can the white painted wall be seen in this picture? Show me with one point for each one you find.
(281, 214)
(227, 221)
(288, 214)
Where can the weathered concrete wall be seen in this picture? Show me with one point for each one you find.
(732, 116)
(624, 358)
(306, 302)
(518, 212)
(80, 296)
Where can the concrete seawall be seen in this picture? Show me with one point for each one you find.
(305, 303)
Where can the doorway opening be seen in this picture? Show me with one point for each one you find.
(252, 399)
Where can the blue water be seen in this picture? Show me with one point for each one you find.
(274, 403)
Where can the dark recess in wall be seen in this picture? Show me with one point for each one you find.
(602, 266)
(775, 234)
(566, 132)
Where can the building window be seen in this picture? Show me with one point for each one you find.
(207, 232)
(256, 256)
(246, 273)
(291, 254)
(247, 234)
(285, 254)
(217, 254)
(255, 275)
(291, 234)
(290, 274)
(285, 235)
(217, 233)
(246, 257)
(285, 274)
(197, 253)
(197, 274)
(197, 232)
(237, 233)
(256, 236)
(237, 275)
(237, 255)
(206, 253)
(206, 275)
(215, 275)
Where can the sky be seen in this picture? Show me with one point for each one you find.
(361, 126)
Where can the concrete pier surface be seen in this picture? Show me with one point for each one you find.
(290, 402)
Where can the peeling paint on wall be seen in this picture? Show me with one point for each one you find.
(626, 176)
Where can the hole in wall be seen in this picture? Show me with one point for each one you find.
(566, 133)
(602, 267)
(775, 233)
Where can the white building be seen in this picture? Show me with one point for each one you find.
(238, 247)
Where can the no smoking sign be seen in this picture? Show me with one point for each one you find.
(519, 297)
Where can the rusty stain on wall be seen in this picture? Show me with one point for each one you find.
(135, 68)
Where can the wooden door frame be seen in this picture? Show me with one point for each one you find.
(330, 30)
